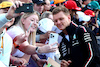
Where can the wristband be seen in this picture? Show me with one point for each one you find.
(37, 50)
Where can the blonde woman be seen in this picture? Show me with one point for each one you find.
(27, 20)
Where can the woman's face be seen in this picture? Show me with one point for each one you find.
(32, 19)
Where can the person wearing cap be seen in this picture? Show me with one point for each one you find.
(94, 6)
(73, 8)
(10, 14)
(5, 39)
(83, 18)
(4, 53)
(39, 5)
(5, 5)
(92, 24)
(78, 47)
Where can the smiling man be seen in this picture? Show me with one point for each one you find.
(78, 47)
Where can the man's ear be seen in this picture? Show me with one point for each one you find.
(69, 17)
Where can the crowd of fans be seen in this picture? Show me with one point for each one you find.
(24, 37)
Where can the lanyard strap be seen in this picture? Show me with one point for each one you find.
(2, 46)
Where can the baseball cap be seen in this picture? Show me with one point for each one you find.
(72, 5)
(5, 4)
(39, 1)
(93, 5)
(83, 16)
(45, 25)
(90, 13)
(59, 1)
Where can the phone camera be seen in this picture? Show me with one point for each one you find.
(52, 36)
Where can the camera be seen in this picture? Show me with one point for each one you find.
(27, 7)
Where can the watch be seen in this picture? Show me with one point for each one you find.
(37, 50)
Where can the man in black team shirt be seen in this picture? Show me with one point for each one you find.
(78, 47)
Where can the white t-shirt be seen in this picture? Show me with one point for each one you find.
(7, 47)
(13, 32)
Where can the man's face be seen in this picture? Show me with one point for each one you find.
(39, 7)
(61, 20)
(4, 10)
(47, 6)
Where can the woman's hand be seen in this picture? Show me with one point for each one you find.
(48, 48)
(21, 38)
(41, 62)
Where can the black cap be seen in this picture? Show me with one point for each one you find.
(39, 1)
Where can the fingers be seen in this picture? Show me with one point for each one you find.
(18, 3)
(53, 50)
(69, 61)
(54, 43)
(66, 63)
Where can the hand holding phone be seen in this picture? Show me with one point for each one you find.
(53, 38)
(27, 7)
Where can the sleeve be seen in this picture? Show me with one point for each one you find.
(14, 31)
(3, 20)
(90, 43)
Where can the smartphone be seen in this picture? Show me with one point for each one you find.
(53, 38)
(27, 7)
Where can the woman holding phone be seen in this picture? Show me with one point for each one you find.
(28, 23)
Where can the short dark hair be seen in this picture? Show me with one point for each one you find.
(59, 9)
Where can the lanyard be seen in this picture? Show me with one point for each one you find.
(2, 42)
(2, 46)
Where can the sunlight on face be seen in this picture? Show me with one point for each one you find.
(61, 20)
(31, 19)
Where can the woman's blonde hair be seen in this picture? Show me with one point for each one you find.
(24, 16)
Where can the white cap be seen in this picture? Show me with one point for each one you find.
(82, 16)
(45, 25)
